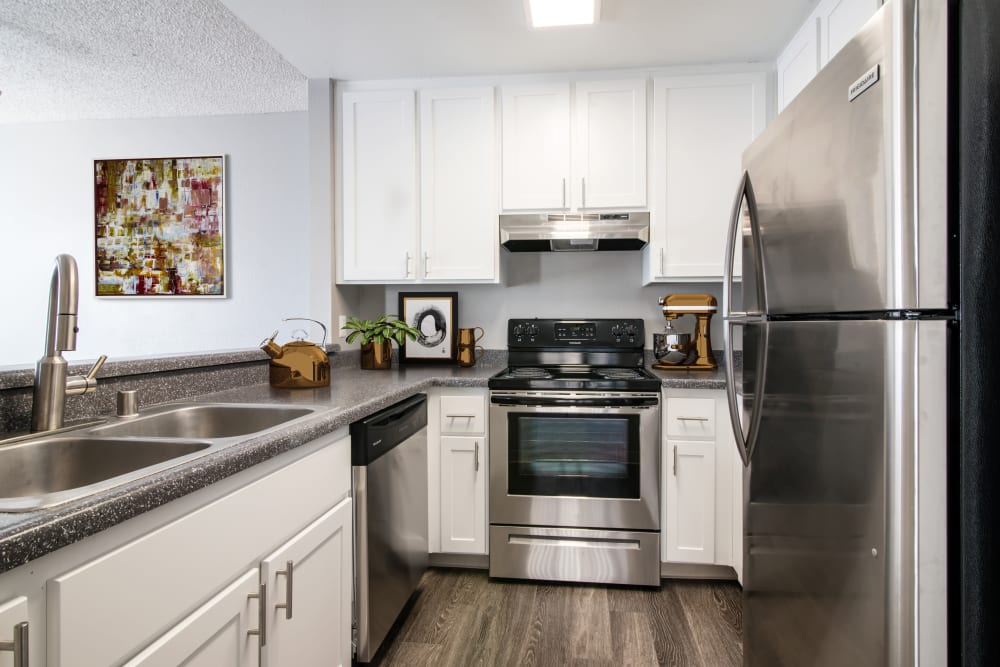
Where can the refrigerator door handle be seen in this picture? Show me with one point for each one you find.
(744, 191)
(746, 445)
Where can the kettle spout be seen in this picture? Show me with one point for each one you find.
(272, 349)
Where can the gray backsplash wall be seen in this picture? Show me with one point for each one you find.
(583, 284)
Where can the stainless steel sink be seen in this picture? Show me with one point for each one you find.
(45, 471)
(206, 421)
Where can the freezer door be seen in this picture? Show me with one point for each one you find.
(849, 203)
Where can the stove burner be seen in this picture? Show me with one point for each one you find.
(619, 374)
(529, 372)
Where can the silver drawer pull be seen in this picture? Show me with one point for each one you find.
(692, 419)
(18, 645)
(261, 630)
(287, 572)
(477, 456)
(460, 416)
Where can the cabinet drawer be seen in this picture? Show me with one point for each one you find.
(691, 417)
(463, 415)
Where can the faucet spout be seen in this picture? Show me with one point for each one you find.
(51, 381)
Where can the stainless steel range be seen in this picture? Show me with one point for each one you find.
(574, 455)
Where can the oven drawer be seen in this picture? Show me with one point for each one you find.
(463, 415)
(574, 554)
(691, 417)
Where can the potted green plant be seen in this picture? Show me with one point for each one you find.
(376, 338)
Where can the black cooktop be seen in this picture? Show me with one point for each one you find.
(587, 354)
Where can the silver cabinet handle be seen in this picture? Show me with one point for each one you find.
(477, 456)
(692, 419)
(675, 461)
(261, 630)
(18, 644)
(287, 572)
(583, 192)
(460, 416)
(564, 193)
(427, 265)
(663, 270)
(409, 258)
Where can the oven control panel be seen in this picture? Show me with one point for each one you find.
(573, 333)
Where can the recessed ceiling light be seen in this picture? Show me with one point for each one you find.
(551, 13)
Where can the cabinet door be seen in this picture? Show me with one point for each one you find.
(379, 239)
(536, 146)
(309, 594)
(458, 184)
(610, 144)
(839, 21)
(799, 62)
(213, 636)
(689, 471)
(12, 613)
(701, 126)
(463, 495)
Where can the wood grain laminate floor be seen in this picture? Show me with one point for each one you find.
(461, 617)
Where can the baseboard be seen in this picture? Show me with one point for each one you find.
(468, 561)
(696, 571)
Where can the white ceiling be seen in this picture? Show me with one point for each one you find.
(75, 59)
(376, 39)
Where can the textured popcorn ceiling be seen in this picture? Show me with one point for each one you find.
(74, 59)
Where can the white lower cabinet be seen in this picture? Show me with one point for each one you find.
(182, 583)
(457, 460)
(308, 584)
(15, 627)
(702, 481)
(217, 635)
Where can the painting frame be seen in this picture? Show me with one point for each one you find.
(190, 255)
(442, 307)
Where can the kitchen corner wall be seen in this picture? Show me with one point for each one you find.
(568, 284)
(46, 208)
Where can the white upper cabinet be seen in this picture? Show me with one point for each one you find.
(458, 184)
(590, 156)
(379, 238)
(831, 25)
(701, 126)
(610, 144)
(536, 146)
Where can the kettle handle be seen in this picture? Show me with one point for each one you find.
(307, 319)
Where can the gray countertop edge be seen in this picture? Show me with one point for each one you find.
(26, 536)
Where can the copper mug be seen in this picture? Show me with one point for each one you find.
(467, 347)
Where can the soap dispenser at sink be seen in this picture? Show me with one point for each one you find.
(298, 364)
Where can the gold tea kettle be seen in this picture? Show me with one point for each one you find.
(298, 364)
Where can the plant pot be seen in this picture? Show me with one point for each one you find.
(376, 357)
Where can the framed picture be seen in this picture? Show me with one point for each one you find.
(435, 316)
(160, 227)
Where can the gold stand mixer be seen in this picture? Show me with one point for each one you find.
(676, 351)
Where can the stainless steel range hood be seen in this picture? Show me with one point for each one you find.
(559, 232)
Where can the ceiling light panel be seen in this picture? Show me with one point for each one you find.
(552, 13)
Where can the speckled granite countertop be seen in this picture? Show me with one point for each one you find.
(352, 395)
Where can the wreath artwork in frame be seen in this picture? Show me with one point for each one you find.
(160, 227)
(435, 316)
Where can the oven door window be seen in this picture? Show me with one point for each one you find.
(595, 456)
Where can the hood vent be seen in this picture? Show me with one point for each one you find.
(543, 232)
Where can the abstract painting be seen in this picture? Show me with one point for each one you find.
(160, 227)
(434, 315)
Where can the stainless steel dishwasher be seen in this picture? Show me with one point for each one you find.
(389, 458)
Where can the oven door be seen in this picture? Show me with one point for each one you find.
(581, 460)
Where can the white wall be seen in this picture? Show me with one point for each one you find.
(562, 285)
(46, 208)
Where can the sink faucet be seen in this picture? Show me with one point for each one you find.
(51, 383)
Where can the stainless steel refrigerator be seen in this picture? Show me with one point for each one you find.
(845, 258)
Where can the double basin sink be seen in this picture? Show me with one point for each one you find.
(46, 470)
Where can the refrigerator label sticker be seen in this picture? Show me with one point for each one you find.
(868, 79)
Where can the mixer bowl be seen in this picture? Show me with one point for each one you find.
(672, 349)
